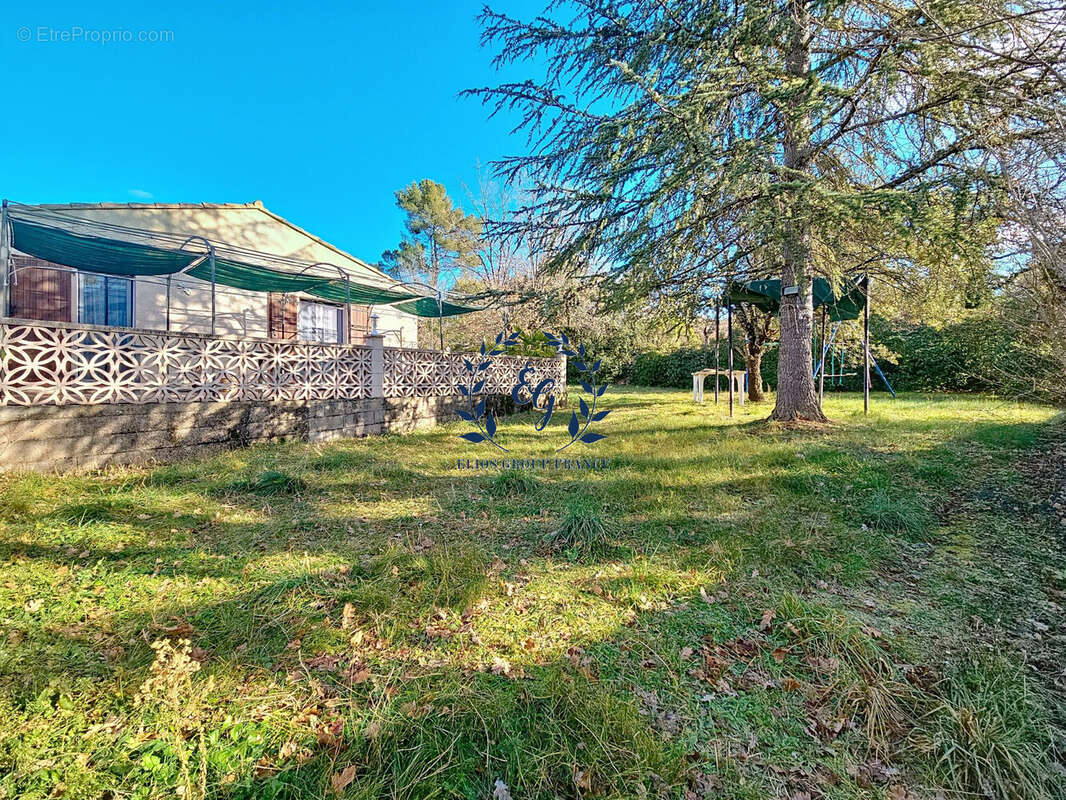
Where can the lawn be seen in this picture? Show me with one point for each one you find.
(730, 610)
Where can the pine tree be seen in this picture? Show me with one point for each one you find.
(669, 137)
(441, 239)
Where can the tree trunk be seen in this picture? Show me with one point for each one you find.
(796, 396)
(753, 357)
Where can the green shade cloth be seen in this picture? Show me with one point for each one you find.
(336, 290)
(117, 257)
(427, 307)
(766, 295)
(254, 278)
(96, 254)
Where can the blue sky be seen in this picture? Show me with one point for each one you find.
(321, 113)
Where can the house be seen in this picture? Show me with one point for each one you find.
(247, 233)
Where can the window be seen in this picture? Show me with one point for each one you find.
(320, 323)
(103, 300)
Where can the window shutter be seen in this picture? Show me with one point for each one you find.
(360, 324)
(283, 316)
(40, 292)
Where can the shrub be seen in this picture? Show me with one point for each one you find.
(674, 369)
(979, 353)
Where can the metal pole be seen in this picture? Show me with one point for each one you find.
(729, 315)
(211, 255)
(821, 365)
(168, 303)
(5, 254)
(717, 312)
(866, 350)
(440, 319)
(347, 309)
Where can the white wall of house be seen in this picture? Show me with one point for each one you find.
(400, 330)
(237, 312)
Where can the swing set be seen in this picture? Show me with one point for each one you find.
(837, 356)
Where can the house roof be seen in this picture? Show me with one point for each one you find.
(234, 224)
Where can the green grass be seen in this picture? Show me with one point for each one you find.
(733, 610)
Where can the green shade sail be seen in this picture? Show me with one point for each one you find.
(96, 254)
(766, 295)
(254, 278)
(129, 259)
(427, 307)
(337, 290)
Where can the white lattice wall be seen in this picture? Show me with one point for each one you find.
(44, 364)
(62, 364)
(430, 373)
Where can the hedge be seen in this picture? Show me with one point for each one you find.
(976, 354)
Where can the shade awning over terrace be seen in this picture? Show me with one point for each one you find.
(96, 254)
(112, 256)
(766, 295)
(427, 307)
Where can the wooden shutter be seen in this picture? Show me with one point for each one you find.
(284, 316)
(359, 325)
(40, 292)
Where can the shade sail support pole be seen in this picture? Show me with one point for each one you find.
(866, 350)
(214, 285)
(717, 347)
(821, 362)
(211, 260)
(729, 316)
(5, 258)
(440, 318)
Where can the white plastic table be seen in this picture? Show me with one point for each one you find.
(737, 376)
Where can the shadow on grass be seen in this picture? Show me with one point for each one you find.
(559, 731)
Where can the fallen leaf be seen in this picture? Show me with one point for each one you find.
(329, 735)
(340, 780)
(348, 617)
(361, 675)
(179, 628)
(871, 631)
(35, 605)
(790, 684)
(582, 780)
(767, 617)
(779, 654)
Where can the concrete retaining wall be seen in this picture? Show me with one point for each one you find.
(88, 437)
